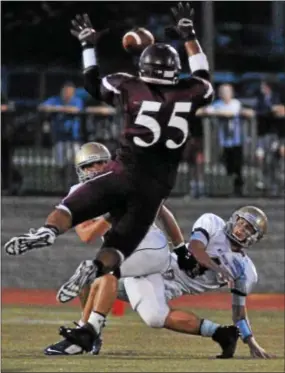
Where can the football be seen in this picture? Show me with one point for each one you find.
(137, 40)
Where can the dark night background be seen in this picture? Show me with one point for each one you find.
(38, 32)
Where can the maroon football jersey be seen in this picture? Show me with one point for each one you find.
(156, 122)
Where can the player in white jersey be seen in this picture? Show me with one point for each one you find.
(213, 243)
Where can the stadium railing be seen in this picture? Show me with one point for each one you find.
(31, 155)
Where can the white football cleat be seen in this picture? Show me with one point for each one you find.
(34, 239)
(85, 273)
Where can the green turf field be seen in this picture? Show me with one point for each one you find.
(130, 346)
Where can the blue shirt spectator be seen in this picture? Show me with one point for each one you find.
(82, 94)
(65, 124)
(228, 108)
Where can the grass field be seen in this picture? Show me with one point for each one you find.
(130, 346)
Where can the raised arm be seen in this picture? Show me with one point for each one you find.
(83, 30)
(183, 16)
(105, 89)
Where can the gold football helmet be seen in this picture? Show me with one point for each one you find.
(90, 153)
(257, 220)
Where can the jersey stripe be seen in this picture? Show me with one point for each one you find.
(109, 86)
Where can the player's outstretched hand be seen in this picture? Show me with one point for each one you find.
(257, 351)
(83, 30)
(183, 18)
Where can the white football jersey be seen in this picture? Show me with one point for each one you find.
(209, 229)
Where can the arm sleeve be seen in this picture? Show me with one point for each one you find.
(92, 82)
(199, 66)
(205, 227)
(204, 92)
(245, 282)
(203, 74)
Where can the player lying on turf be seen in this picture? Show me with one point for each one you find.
(151, 256)
(157, 108)
(190, 272)
(212, 240)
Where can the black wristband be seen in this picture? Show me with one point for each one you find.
(182, 250)
(87, 45)
(52, 228)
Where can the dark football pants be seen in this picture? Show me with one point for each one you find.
(134, 207)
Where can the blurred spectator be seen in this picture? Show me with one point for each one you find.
(268, 101)
(11, 179)
(193, 156)
(271, 161)
(269, 110)
(83, 95)
(270, 116)
(65, 124)
(228, 110)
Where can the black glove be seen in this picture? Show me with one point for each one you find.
(183, 256)
(183, 17)
(83, 30)
(187, 262)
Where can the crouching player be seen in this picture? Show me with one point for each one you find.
(192, 270)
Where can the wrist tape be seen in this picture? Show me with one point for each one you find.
(244, 329)
(198, 61)
(89, 58)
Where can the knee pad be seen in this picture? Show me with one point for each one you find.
(110, 250)
(107, 260)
